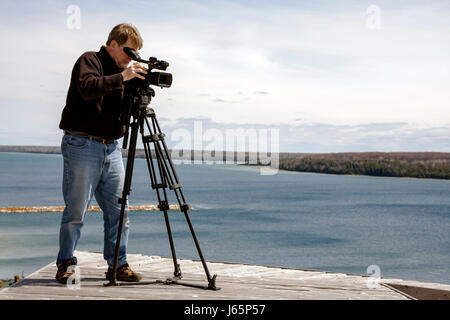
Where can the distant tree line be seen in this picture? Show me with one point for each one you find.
(435, 165)
(436, 169)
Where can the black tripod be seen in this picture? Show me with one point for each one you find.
(164, 170)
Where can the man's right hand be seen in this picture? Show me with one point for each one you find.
(135, 70)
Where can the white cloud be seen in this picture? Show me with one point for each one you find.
(319, 64)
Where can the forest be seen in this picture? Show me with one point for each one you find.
(434, 165)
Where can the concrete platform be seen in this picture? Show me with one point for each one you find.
(237, 282)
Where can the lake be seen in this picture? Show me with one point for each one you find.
(301, 220)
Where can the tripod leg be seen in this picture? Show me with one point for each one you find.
(177, 271)
(163, 204)
(211, 281)
(125, 193)
(170, 175)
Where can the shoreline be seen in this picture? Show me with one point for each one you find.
(416, 159)
(60, 209)
(337, 174)
(364, 175)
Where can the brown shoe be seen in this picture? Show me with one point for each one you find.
(124, 273)
(62, 275)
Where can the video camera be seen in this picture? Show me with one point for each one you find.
(156, 78)
(138, 92)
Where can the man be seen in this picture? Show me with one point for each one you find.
(92, 122)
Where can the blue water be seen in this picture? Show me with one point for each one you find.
(311, 221)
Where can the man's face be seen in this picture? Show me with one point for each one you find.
(116, 51)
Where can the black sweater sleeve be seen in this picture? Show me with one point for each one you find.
(90, 81)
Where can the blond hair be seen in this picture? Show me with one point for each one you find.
(124, 31)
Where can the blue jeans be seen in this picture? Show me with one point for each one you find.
(92, 168)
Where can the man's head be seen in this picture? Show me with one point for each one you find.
(123, 35)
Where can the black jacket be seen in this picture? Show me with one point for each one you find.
(94, 100)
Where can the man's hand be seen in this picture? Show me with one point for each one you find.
(135, 70)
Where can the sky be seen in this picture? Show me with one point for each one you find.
(325, 76)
